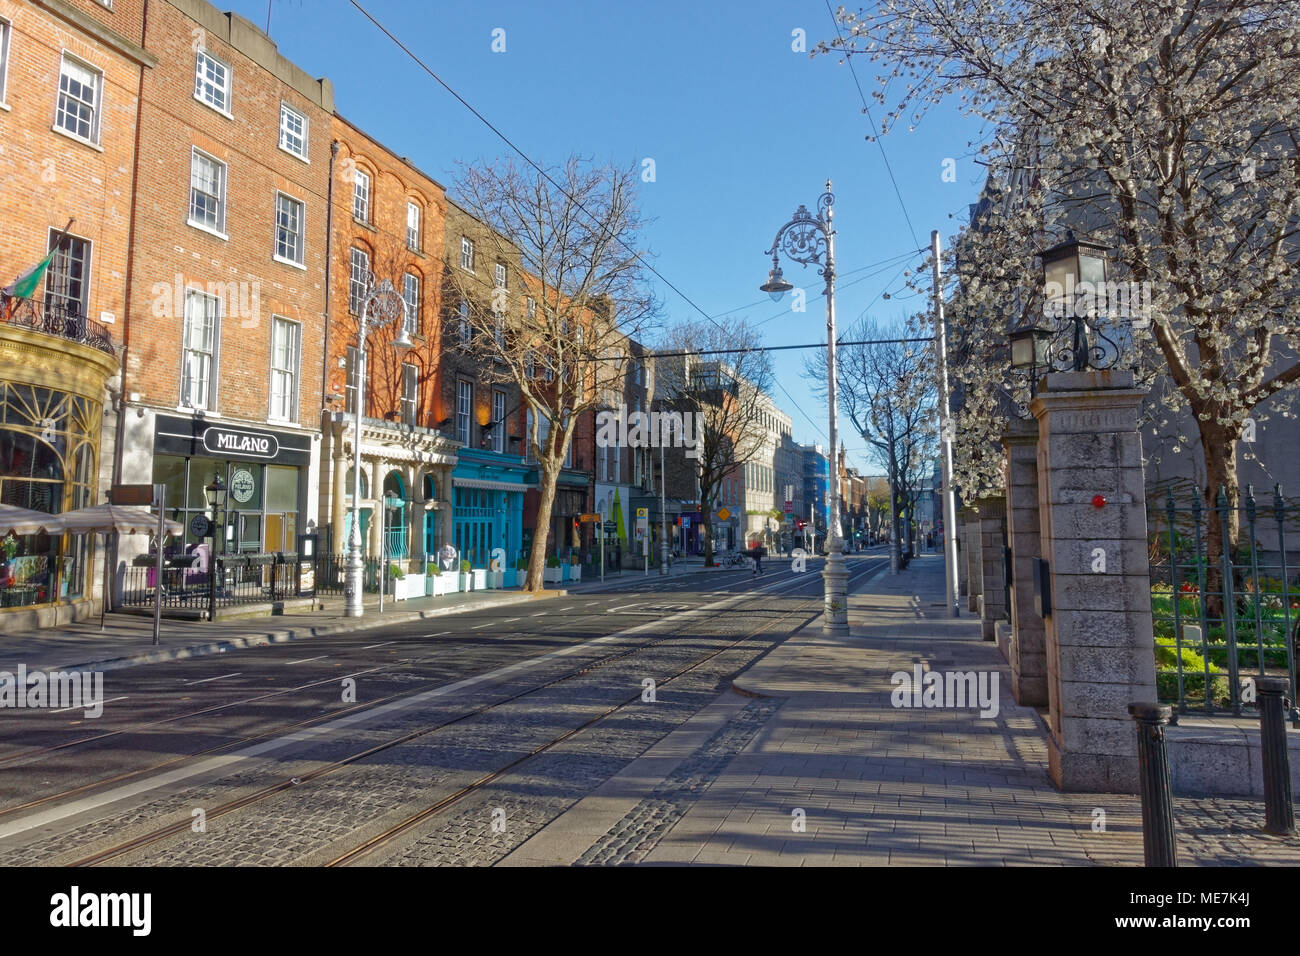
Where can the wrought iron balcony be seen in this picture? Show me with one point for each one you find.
(56, 319)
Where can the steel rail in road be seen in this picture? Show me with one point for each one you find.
(265, 793)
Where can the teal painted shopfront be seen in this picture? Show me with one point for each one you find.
(487, 506)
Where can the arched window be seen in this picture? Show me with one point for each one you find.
(395, 520)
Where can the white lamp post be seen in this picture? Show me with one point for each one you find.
(809, 239)
(388, 307)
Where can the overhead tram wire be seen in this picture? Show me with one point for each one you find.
(531, 162)
(875, 135)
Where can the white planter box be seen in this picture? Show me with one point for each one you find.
(575, 572)
(495, 579)
(553, 575)
(436, 585)
(408, 586)
(464, 581)
(480, 579)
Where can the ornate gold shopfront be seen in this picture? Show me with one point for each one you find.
(51, 414)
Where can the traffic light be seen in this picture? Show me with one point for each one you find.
(801, 524)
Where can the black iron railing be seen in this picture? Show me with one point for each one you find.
(1224, 615)
(67, 322)
(240, 579)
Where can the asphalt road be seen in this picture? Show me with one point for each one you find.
(180, 740)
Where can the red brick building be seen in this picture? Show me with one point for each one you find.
(70, 75)
(387, 225)
(226, 305)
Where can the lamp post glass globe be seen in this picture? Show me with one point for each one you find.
(776, 285)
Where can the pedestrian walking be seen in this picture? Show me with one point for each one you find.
(759, 552)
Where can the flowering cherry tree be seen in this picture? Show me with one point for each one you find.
(1165, 130)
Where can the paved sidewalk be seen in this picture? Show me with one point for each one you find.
(127, 639)
(811, 764)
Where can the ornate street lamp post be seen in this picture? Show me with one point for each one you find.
(807, 240)
(388, 307)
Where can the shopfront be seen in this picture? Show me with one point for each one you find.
(51, 413)
(265, 473)
(488, 506)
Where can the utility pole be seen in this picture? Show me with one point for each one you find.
(945, 436)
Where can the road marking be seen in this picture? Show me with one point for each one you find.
(307, 735)
(206, 679)
(625, 607)
(307, 659)
(511, 620)
(591, 604)
(440, 634)
(539, 614)
(477, 626)
(88, 703)
(370, 646)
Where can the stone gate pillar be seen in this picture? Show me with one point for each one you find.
(1092, 513)
(993, 586)
(1028, 642)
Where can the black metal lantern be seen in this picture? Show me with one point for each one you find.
(216, 495)
(1029, 347)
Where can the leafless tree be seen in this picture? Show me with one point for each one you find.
(718, 387)
(574, 293)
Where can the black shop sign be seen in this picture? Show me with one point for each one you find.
(196, 438)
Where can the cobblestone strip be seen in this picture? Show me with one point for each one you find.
(633, 837)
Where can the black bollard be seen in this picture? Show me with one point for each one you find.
(1279, 814)
(1159, 846)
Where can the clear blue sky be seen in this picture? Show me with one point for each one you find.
(741, 128)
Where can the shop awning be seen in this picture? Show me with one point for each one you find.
(488, 485)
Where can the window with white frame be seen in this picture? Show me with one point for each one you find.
(530, 364)
(80, 88)
(532, 308)
(202, 329)
(67, 280)
(207, 191)
(410, 393)
(285, 337)
(5, 30)
(498, 421)
(466, 253)
(361, 196)
(413, 226)
(212, 81)
(289, 229)
(500, 277)
(293, 131)
(350, 389)
(464, 402)
(466, 333)
(411, 296)
(358, 279)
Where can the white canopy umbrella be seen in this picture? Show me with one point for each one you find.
(109, 518)
(25, 521)
(105, 519)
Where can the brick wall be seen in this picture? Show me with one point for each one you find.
(169, 255)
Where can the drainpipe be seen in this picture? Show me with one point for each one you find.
(335, 434)
(123, 395)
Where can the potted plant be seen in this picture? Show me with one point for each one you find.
(554, 573)
(435, 585)
(466, 580)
